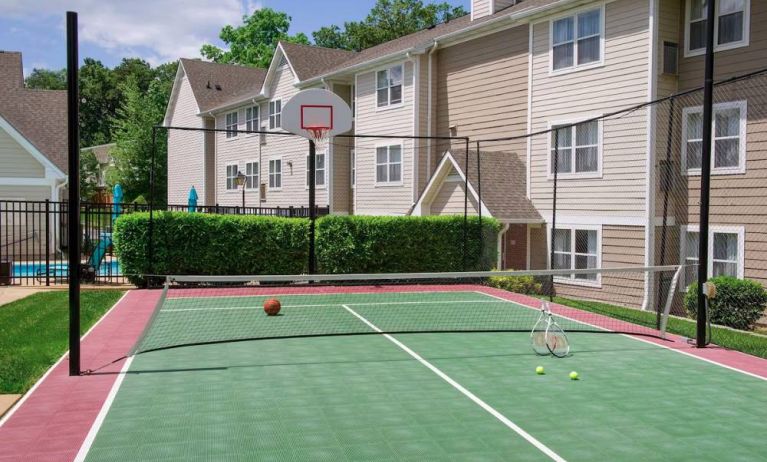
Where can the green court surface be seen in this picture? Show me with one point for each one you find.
(367, 398)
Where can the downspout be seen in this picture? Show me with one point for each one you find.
(501, 234)
(55, 226)
(429, 110)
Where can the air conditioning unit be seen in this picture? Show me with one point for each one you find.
(670, 58)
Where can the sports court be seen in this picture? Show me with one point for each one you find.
(461, 392)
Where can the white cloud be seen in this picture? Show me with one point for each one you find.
(156, 30)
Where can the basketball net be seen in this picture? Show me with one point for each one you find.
(319, 135)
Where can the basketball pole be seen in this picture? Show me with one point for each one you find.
(312, 204)
(73, 212)
(705, 174)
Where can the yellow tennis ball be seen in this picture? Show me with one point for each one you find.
(573, 375)
(539, 370)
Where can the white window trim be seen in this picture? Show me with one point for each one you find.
(273, 115)
(269, 174)
(741, 168)
(713, 229)
(388, 184)
(388, 106)
(258, 174)
(325, 153)
(573, 281)
(728, 46)
(600, 149)
(226, 127)
(226, 178)
(575, 67)
(257, 124)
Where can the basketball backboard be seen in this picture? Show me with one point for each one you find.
(316, 114)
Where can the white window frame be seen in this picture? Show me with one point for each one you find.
(741, 167)
(275, 174)
(388, 183)
(389, 104)
(228, 124)
(353, 168)
(728, 46)
(324, 184)
(576, 67)
(713, 229)
(571, 280)
(234, 187)
(255, 177)
(274, 114)
(253, 123)
(600, 148)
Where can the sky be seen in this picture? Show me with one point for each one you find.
(155, 30)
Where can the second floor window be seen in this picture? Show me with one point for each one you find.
(275, 114)
(730, 26)
(389, 86)
(389, 164)
(275, 174)
(575, 148)
(231, 177)
(729, 138)
(576, 40)
(251, 118)
(231, 125)
(319, 166)
(251, 175)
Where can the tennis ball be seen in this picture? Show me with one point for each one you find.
(573, 375)
(272, 307)
(539, 370)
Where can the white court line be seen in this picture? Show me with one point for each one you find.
(29, 393)
(312, 295)
(638, 339)
(516, 428)
(91, 437)
(236, 308)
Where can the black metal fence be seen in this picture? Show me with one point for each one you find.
(34, 245)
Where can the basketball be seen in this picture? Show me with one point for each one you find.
(272, 307)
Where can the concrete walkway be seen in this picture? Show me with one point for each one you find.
(6, 401)
(13, 293)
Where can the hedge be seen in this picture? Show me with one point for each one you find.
(739, 303)
(207, 244)
(376, 244)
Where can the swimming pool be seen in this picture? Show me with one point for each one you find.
(61, 270)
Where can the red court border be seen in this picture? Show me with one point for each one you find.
(53, 420)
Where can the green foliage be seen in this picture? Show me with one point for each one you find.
(739, 303)
(253, 43)
(387, 20)
(526, 285)
(193, 243)
(45, 79)
(99, 99)
(369, 244)
(89, 174)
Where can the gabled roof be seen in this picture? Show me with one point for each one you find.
(309, 61)
(503, 174)
(40, 116)
(215, 84)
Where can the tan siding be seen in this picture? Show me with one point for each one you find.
(209, 196)
(449, 200)
(480, 8)
(23, 234)
(423, 146)
(185, 149)
(501, 4)
(668, 31)
(375, 199)
(29, 193)
(340, 162)
(17, 162)
(620, 82)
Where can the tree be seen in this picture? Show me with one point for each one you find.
(89, 174)
(99, 99)
(253, 43)
(45, 79)
(387, 20)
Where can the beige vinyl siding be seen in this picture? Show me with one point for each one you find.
(569, 97)
(482, 88)
(23, 234)
(501, 4)
(16, 161)
(185, 149)
(26, 193)
(209, 196)
(449, 200)
(480, 8)
(372, 198)
(422, 129)
(340, 165)
(668, 31)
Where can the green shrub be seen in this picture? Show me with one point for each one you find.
(206, 244)
(376, 244)
(526, 285)
(739, 303)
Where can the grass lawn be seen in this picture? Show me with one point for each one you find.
(34, 333)
(746, 342)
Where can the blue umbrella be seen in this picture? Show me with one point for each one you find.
(117, 200)
(192, 200)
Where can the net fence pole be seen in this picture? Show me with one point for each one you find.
(312, 205)
(150, 230)
(666, 184)
(479, 203)
(705, 174)
(73, 132)
(466, 209)
(554, 213)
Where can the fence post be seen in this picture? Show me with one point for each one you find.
(47, 242)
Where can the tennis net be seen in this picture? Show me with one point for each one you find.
(196, 310)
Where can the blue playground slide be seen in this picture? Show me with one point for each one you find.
(97, 257)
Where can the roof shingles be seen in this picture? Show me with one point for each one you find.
(215, 84)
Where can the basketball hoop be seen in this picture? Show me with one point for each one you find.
(319, 135)
(317, 115)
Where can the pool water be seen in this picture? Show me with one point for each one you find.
(33, 269)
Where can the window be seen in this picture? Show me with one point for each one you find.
(251, 118)
(275, 174)
(319, 166)
(576, 248)
(575, 148)
(275, 114)
(725, 252)
(670, 58)
(389, 86)
(251, 175)
(231, 177)
(231, 124)
(731, 25)
(729, 139)
(353, 164)
(576, 40)
(389, 164)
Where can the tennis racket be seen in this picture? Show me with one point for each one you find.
(547, 337)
